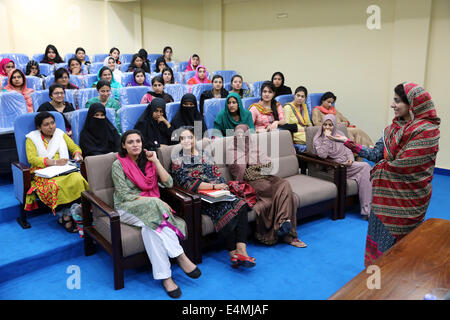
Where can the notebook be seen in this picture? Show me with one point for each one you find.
(214, 193)
(54, 171)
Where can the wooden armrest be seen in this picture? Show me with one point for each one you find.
(100, 204)
(21, 166)
(310, 157)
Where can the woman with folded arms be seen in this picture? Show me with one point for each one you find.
(135, 174)
(49, 146)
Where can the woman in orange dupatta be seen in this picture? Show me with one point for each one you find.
(326, 107)
(18, 82)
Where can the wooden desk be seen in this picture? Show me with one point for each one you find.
(410, 269)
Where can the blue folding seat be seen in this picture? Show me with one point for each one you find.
(176, 91)
(127, 78)
(80, 97)
(12, 105)
(89, 80)
(182, 65)
(198, 89)
(79, 118)
(41, 96)
(18, 58)
(257, 88)
(132, 95)
(226, 74)
(94, 67)
(285, 98)
(247, 102)
(129, 115)
(34, 82)
(227, 86)
(38, 57)
(99, 57)
(171, 109)
(46, 69)
(76, 80)
(69, 56)
(179, 77)
(188, 75)
(126, 57)
(312, 100)
(153, 56)
(124, 66)
(212, 107)
(21, 170)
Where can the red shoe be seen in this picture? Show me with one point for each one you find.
(234, 262)
(247, 262)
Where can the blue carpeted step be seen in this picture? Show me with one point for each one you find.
(9, 206)
(44, 244)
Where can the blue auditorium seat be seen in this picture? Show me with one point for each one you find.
(126, 57)
(99, 57)
(41, 96)
(32, 82)
(171, 110)
(89, 80)
(79, 118)
(129, 115)
(257, 88)
(12, 105)
(198, 89)
(212, 107)
(76, 80)
(128, 77)
(18, 58)
(38, 57)
(182, 65)
(247, 102)
(69, 56)
(179, 77)
(285, 98)
(188, 75)
(94, 67)
(124, 66)
(176, 91)
(312, 100)
(46, 69)
(227, 86)
(226, 74)
(153, 56)
(132, 95)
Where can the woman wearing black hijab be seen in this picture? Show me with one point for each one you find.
(99, 136)
(154, 126)
(187, 114)
(278, 81)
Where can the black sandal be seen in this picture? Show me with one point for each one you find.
(72, 229)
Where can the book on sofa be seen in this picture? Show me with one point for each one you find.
(213, 196)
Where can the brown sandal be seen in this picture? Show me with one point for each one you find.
(301, 244)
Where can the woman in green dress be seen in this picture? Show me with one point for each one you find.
(50, 146)
(233, 115)
(104, 97)
(135, 174)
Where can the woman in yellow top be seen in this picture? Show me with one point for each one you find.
(296, 112)
(49, 146)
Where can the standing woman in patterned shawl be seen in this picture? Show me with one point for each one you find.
(401, 179)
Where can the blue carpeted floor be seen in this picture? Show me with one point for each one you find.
(34, 262)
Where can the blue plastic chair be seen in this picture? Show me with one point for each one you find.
(89, 80)
(182, 65)
(94, 67)
(38, 57)
(257, 88)
(99, 57)
(132, 95)
(126, 57)
(21, 170)
(227, 86)
(79, 118)
(69, 56)
(198, 89)
(211, 108)
(226, 74)
(247, 102)
(76, 80)
(80, 97)
(32, 82)
(42, 96)
(124, 66)
(312, 100)
(12, 105)
(171, 109)
(129, 115)
(153, 56)
(46, 69)
(176, 91)
(18, 58)
(285, 98)
(188, 75)
(179, 77)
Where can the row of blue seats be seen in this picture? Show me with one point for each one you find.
(21, 58)
(86, 81)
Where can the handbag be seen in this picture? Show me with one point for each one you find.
(244, 191)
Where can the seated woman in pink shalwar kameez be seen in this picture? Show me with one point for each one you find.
(359, 171)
